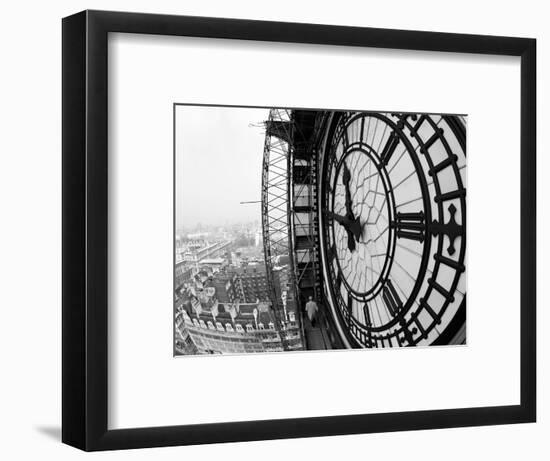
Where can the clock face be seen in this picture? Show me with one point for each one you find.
(392, 227)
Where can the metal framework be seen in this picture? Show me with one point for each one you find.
(275, 203)
(303, 201)
(309, 132)
(289, 201)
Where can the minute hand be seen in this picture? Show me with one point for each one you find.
(346, 180)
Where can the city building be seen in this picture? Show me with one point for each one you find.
(225, 303)
(195, 251)
(250, 282)
(230, 328)
(183, 273)
(214, 263)
(225, 287)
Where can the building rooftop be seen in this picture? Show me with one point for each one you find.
(212, 261)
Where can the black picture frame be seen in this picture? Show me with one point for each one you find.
(85, 222)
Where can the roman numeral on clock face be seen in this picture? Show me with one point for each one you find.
(389, 148)
(345, 139)
(391, 298)
(410, 226)
(368, 319)
(332, 253)
(338, 281)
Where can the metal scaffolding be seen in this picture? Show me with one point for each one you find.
(275, 204)
(303, 202)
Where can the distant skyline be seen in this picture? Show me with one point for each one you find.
(216, 226)
(218, 164)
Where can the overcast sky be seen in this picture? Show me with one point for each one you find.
(218, 164)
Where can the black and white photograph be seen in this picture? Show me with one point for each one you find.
(313, 229)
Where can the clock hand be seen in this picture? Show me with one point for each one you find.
(346, 179)
(342, 220)
(347, 175)
(356, 228)
(352, 225)
(351, 241)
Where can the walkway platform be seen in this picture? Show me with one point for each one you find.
(317, 338)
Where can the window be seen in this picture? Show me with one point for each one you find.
(229, 327)
(249, 328)
(261, 326)
(239, 328)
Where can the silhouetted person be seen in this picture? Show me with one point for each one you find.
(311, 309)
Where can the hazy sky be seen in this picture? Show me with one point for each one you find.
(218, 164)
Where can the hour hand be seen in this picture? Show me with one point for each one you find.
(342, 220)
(351, 241)
(353, 227)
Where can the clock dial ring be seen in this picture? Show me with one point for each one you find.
(408, 314)
(338, 132)
(354, 150)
